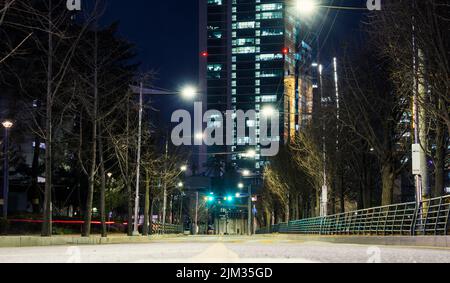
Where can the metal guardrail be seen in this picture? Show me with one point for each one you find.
(429, 218)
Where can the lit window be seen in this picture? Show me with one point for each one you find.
(271, 7)
(244, 50)
(271, 15)
(246, 25)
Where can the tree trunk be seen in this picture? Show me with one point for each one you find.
(92, 170)
(342, 191)
(145, 229)
(47, 224)
(130, 210)
(152, 205)
(287, 210)
(268, 220)
(35, 195)
(102, 185)
(388, 179)
(439, 174)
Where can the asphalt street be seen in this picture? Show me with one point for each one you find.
(225, 250)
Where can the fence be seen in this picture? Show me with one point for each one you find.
(159, 228)
(431, 217)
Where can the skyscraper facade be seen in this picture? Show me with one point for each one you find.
(252, 56)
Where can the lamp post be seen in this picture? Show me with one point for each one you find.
(7, 125)
(188, 92)
(246, 174)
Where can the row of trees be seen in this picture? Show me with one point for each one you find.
(67, 81)
(403, 53)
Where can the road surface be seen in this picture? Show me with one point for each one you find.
(225, 250)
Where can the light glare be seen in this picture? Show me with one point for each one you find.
(306, 7)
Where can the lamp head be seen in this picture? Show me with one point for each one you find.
(7, 124)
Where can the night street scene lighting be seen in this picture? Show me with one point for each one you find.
(232, 134)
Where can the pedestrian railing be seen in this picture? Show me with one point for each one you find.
(159, 228)
(431, 217)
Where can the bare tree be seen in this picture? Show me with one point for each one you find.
(414, 37)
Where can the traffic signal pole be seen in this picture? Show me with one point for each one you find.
(249, 212)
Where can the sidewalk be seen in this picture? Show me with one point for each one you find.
(408, 241)
(75, 240)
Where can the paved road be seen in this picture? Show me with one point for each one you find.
(226, 250)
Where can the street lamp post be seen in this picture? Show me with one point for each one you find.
(138, 163)
(7, 125)
(246, 173)
(188, 92)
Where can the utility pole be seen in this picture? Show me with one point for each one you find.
(138, 163)
(7, 125)
(324, 196)
(196, 213)
(323, 203)
(249, 211)
(419, 157)
(165, 185)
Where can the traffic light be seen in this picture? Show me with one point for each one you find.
(228, 198)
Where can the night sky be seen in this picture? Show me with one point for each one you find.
(166, 35)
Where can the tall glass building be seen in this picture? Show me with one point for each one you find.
(252, 55)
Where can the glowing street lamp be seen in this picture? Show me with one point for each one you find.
(240, 185)
(7, 125)
(189, 92)
(199, 137)
(268, 111)
(246, 173)
(250, 153)
(306, 7)
(184, 168)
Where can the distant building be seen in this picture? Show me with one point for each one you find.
(252, 55)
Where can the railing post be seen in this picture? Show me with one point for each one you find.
(426, 219)
(322, 220)
(447, 220)
(414, 223)
(438, 216)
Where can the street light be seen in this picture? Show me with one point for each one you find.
(189, 92)
(306, 7)
(184, 168)
(7, 125)
(268, 111)
(180, 185)
(199, 137)
(240, 185)
(246, 173)
(250, 153)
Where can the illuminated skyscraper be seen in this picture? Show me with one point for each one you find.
(252, 56)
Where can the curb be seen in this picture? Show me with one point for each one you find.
(37, 241)
(417, 241)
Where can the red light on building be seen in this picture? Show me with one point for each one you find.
(204, 54)
(285, 51)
